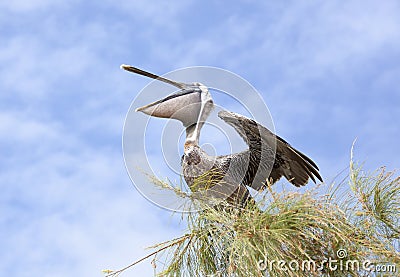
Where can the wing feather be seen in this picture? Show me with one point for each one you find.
(296, 167)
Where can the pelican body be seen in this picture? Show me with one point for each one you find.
(267, 158)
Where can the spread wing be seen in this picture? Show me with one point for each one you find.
(296, 167)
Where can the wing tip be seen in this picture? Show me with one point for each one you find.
(225, 114)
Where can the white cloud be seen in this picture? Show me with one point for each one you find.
(69, 206)
(21, 6)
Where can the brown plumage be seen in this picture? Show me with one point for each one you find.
(296, 167)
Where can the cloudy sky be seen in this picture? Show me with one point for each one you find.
(328, 70)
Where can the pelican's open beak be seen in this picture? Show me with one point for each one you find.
(151, 75)
(184, 105)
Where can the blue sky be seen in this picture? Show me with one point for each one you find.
(328, 71)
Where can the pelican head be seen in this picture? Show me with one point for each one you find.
(191, 104)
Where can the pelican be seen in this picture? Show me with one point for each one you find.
(267, 158)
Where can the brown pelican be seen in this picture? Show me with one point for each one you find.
(266, 160)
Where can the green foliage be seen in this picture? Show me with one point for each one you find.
(346, 232)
